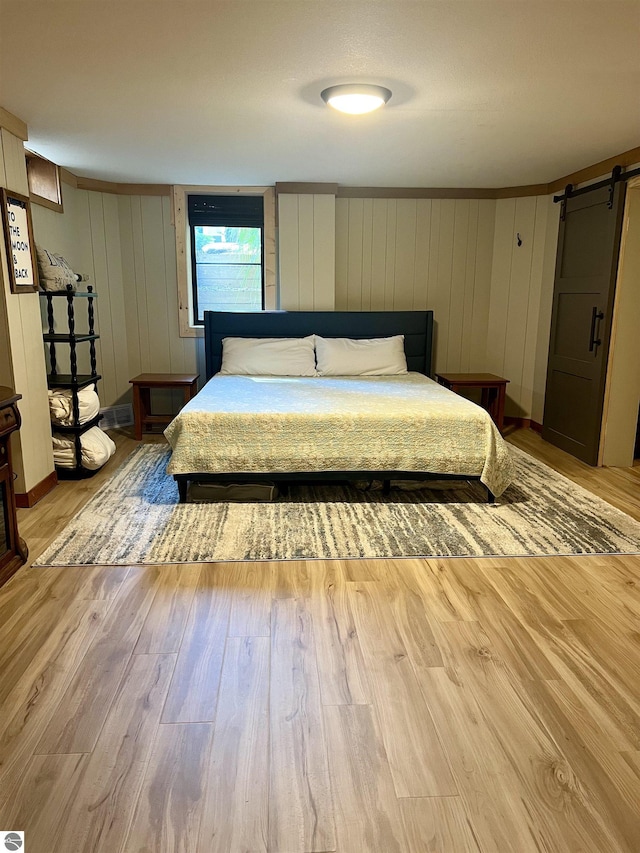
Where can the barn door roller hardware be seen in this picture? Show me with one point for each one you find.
(564, 197)
(616, 175)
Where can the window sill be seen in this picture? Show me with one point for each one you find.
(189, 331)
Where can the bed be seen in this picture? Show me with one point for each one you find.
(280, 428)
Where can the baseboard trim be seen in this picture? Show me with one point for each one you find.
(28, 499)
(518, 423)
(522, 423)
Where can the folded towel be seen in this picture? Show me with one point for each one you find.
(61, 405)
(97, 448)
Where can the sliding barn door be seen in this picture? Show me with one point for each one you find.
(586, 267)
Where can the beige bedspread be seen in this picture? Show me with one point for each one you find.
(246, 424)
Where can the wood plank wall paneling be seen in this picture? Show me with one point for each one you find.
(126, 244)
(481, 284)
(539, 250)
(403, 254)
(546, 306)
(3, 173)
(6, 362)
(151, 292)
(107, 266)
(307, 238)
(306, 251)
(288, 239)
(138, 278)
(131, 318)
(442, 313)
(516, 298)
(520, 299)
(21, 349)
(460, 258)
(114, 287)
(500, 276)
(88, 235)
(456, 256)
(324, 259)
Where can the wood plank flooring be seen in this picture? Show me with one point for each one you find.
(374, 706)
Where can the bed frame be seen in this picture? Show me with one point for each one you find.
(416, 326)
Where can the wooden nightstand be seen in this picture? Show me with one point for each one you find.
(142, 386)
(493, 390)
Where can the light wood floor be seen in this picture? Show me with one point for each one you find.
(392, 705)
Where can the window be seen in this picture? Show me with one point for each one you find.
(227, 253)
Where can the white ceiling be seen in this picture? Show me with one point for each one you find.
(485, 93)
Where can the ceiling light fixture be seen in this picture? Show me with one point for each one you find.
(355, 98)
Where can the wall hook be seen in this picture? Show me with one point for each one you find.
(519, 239)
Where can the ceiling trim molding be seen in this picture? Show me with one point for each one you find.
(116, 188)
(597, 170)
(521, 192)
(67, 177)
(442, 192)
(121, 188)
(414, 192)
(13, 124)
(222, 189)
(306, 188)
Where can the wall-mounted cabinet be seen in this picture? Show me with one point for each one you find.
(43, 178)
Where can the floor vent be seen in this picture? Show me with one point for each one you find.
(114, 417)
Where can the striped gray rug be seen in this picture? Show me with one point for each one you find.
(136, 518)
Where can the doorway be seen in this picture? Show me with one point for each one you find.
(622, 397)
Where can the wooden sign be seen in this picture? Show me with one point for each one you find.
(18, 238)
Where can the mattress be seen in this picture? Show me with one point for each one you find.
(269, 425)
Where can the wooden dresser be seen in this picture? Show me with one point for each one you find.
(13, 551)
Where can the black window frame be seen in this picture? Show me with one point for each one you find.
(239, 210)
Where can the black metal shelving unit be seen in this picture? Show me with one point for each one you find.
(72, 381)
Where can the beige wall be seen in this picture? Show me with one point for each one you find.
(403, 254)
(460, 257)
(22, 364)
(306, 251)
(126, 244)
(623, 376)
(519, 314)
(148, 243)
(88, 236)
(491, 298)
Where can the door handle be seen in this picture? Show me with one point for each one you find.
(596, 316)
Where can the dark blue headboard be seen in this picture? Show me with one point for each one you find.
(416, 326)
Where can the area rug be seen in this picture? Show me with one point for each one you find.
(136, 518)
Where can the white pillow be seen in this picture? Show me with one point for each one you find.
(55, 272)
(268, 356)
(350, 357)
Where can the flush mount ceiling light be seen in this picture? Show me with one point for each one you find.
(355, 98)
